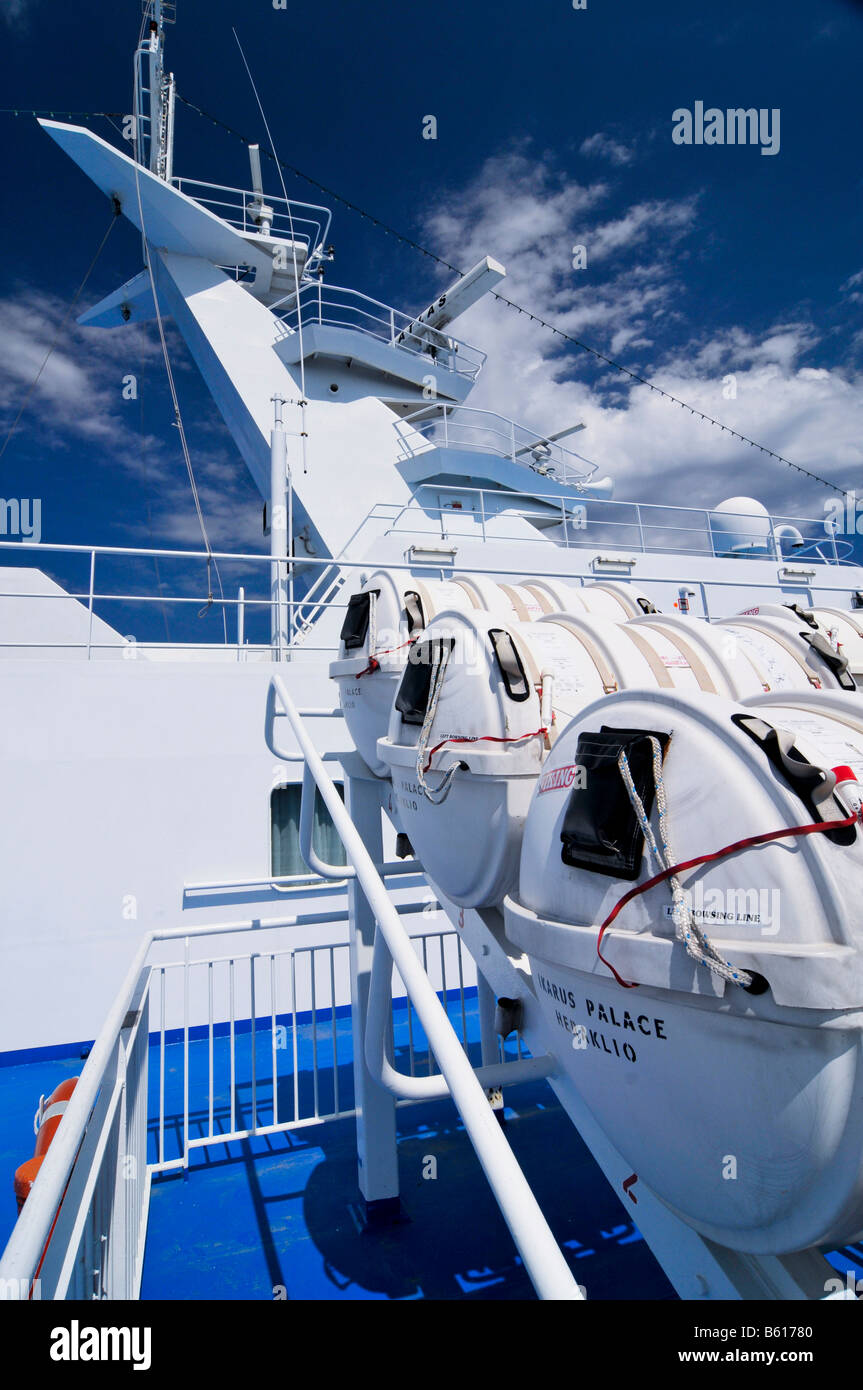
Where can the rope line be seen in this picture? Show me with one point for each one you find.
(686, 929)
(816, 828)
(68, 314)
(414, 245)
(211, 562)
(534, 318)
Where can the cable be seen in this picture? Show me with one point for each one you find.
(178, 417)
(535, 318)
(63, 322)
(303, 431)
(817, 827)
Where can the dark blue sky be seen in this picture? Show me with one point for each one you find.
(346, 86)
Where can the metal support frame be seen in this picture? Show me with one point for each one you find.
(698, 1268)
(281, 494)
(377, 1155)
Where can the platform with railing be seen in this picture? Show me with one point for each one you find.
(465, 428)
(335, 307)
(305, 224)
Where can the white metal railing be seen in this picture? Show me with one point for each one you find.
(577, 525)
(270, 1023)
(486, 432)
(644, 527)
(538, 1248)
(305, 223)
(340, 307)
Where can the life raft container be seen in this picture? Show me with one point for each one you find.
(610, 598)
(734, 1088)
(478, 708)
(842, 630)
(45, 1124)
(383, 621)
(791, 653)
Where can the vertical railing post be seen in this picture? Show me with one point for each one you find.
(241, 621)
(377, 1158)
(115, 1234)
(485, 996)
(186, 969)
(90, 602)
(279, 501)
(641, 539)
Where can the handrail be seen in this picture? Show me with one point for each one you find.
(517, 441)
(406, 1087)
(537, 1246)
(32, 1231)
(319, 303)
(285, 225)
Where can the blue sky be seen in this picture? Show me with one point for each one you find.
(554, 128)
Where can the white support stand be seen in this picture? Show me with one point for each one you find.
(487, 1002)
(279, 531)
(377, 1156)
(698, 1268)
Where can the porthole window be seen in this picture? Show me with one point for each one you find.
(286, 859)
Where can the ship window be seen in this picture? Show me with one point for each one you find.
(285, 832)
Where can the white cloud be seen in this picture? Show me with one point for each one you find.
(77, 409)
(630, 303)
(853, 287)
(601, 146)
(16, 12)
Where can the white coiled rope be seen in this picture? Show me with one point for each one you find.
(434, 794)
(687, 930)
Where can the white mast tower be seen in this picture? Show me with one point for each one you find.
(155, 93)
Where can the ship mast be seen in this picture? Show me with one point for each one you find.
(154, 92)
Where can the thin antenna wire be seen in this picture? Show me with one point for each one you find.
(535, 318)
(65, 319)
(303, 431)
(178, 417)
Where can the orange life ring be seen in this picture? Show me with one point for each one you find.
(45, 1123)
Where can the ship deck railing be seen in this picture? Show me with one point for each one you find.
(82, 1231)
(576, 521)
(464, 427)
(337, 306)
(235, 623)
(306, 224)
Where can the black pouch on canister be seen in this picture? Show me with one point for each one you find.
(600, 829)
(355, 627)
(414, 693)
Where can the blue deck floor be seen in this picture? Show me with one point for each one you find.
(280, 1216)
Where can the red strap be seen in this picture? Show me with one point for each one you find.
(481, 738)
(375, 665)
(816, 828)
